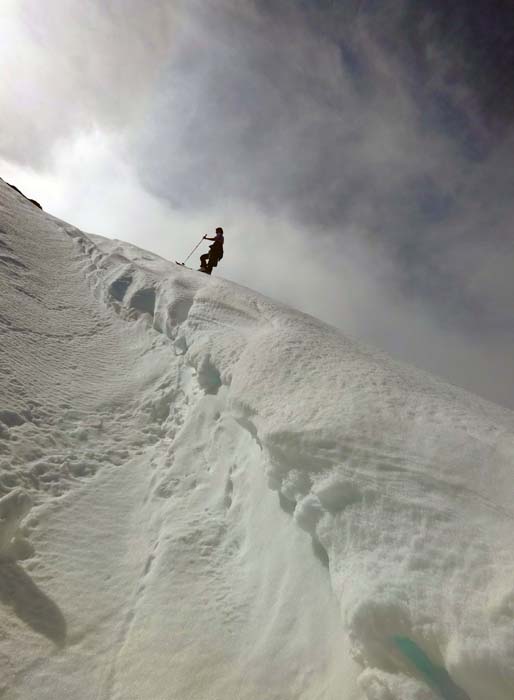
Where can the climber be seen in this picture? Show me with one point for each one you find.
(215, 254)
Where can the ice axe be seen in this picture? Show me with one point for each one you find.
(191, 253)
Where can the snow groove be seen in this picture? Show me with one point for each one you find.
(323, 477)
(114, 686)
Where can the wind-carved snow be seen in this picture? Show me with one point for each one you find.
(230, 498)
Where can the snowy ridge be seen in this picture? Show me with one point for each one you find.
(185, 404)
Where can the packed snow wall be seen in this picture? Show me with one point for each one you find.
(209, 495)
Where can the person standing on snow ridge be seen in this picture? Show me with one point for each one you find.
(211, 259)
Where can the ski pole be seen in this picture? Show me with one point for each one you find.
(191, 253)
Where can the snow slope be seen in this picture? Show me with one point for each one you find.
(209, 495)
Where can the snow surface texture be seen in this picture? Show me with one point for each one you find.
(229, 498)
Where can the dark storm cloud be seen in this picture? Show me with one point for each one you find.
(478, 37)
(266, 107)
(371, 115)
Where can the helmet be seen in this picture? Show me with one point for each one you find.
(219, 230)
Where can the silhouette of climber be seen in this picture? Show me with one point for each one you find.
(211, 259)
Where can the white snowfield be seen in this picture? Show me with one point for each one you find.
(207, 495)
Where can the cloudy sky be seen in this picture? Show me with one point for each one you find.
(358, 153)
